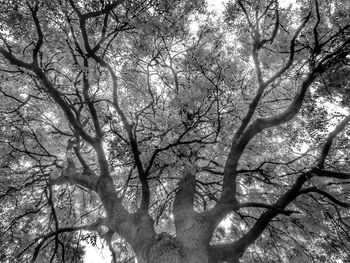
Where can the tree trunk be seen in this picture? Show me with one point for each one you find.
(193, 233)
(168, 249)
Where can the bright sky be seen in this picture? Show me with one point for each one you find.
(97, 254)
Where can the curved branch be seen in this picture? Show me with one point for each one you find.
(86, 179)
(91, 227)
(290, 196)
(329, 141)
(291, 52)
(237, 248)
(39, 43)
(55, 94)
(69, 174)
(15, 61)
(127, 126)
(245, 133)
(263, 123)
(325, 194)
(275, 26)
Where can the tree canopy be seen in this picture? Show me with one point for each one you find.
(175, 133)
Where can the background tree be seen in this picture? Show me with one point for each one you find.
(148, 123)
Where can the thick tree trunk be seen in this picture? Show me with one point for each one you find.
(193, 232)
(168, 249)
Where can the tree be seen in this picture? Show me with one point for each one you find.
(150, 122)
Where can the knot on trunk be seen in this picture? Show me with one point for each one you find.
(166, 249)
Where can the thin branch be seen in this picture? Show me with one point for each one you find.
(325, 194)
(90, 227)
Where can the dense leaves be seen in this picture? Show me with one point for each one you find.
(122, 120)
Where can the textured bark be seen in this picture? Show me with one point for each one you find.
(168, 249)
(193, 231)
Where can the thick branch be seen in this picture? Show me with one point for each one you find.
(267, 206)
(183, 204)
(13, 60)
(90, 104)
(332, 174)
(69, 174)
(127, 126)
(275, 26)
(39, 43)
(237, 248)
(330, 139)
(55, 94)
(227, 201)
(243, 135)
(225, 252)
(184, 197)
(64, 106)
(86, 178)
(316, 38)
(51, 90)
(104, 184)
(263, 123)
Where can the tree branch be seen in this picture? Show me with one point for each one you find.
(184, 197)
(243, 135)
(325, 194)
(329, 141)
(267, 206)
(128, 128)
(39, 43)
(92, 109)
(332, 174)
(238, 247)
(91, 227)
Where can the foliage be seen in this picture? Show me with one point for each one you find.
(109, 107)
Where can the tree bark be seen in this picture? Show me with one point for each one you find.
(168, 249)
